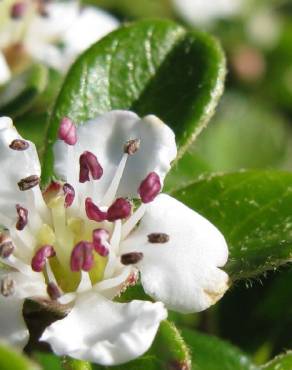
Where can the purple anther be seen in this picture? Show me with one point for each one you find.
(67, 131)
(93, 212)
(18, 10)
(100, 237)
(40, 258)
(89, 165)
(69, 194)
(131, 258)
(19, 145)
(22, 217)
(120, 209)
(149, 187)
(28, 182)
(82, 257)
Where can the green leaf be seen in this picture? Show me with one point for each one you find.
(48, 361)
(11, 359)
(19, 94)
(282, 362)
(211, 353)
(152, 66)
(253, 211)
(143, 363)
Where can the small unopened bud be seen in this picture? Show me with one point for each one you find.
(53, 291)
(40, 258)
(132, 146)
(67, 131)
(69, 194)
(93, 212)
(22, 217)
(19, 145)
(7, 286)
(100, 238)
(89, 165)
(6, 248)
(119, 210)
(131, 258)
(158, 238)
(18, 10)
(82, 257)
(28, 182)
(149, 188)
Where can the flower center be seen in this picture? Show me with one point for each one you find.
(76, 242)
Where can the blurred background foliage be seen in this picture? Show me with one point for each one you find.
(251, 129)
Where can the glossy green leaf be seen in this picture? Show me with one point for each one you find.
(11, 359)
(211, 353)
(253, 211)
(143, 363)
(282, 362)
(19, 94)
(149, 67)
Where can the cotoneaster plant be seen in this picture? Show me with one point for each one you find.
(90, 235)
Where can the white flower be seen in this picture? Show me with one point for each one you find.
(197, 12)
(53, 33)
(83, 242)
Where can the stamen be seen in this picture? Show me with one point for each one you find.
(132, 146)
(18, 10)
(158, 238)
(82, 257)
(133, 220)
(53, 291)
(7, 286)
(119, 210)
(40, 258)
(69, 194)
(89, 165)
(22, 217)
(19, 145)
(6, 249)
(28, 182)
(93, 212)
(112, 190)
(150, 187)
(100, 241)
(131, 258)
(67, 131)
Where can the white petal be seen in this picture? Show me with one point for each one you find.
(90, 26)
(104, 332)
(4, 70)
(201, 12)
(14, 166)
(182, 273)
(12, 325)
(105, 136)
